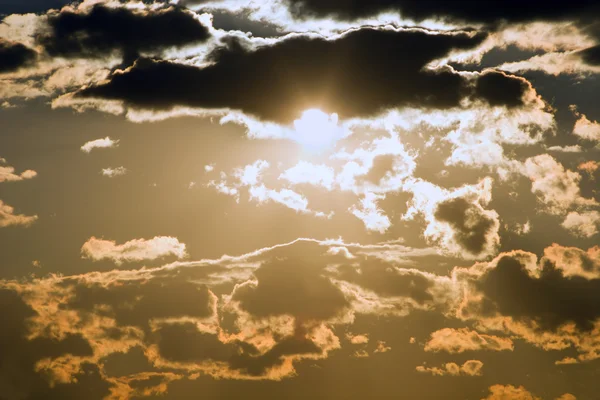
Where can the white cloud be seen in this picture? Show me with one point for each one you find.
(556, 187)
(583, 224)
(9, 218)
(369, 213)
(133, 250)
(103, 143)
(7, 173)
(586, 129)
(461, 340)
(312, 174)
(112, 172)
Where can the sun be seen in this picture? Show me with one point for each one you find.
(317, 130)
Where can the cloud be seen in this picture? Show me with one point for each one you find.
(500, 89)
(496, 11)
(550, 303)
(102, 30)
(369, 212)
(133, 250)
(14, 56)
(582, 224)
(358, 339)
(250, 178)
(7, 174)
(591, 55)
(307, 173)
(461, 340)
(457, 219)
(589, 166)
(112, 172)
(557, 188)
(469, 368)
(9, 218)
(291, 287)
(510, 392)
(372, 83)
(104, 143)
(586, 129)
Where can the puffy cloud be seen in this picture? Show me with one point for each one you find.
(307, 173)
(102, 30)
(250, 178)
(589, 166)
(382, 347)
(510, 392)
(457, 219)
(9, 218)
(549, 303)
(586, 129)
(369, 212)
(112, 172)
(7, 174)
(285, 287)
(582, 224)
(461, 340)
(14, 56)
(376, 83)
(358, 339)
(572, 261)
(557, 188)
(103, 143)
(133, 250)
(469, 368)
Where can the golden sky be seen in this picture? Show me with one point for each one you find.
(299, 199)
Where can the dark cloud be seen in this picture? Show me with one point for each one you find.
(185, 343)
(591, 55)
(362, 73)
(18, 376)
(500, 89)
(463, 10)
(136, 303)
(470, 225)
(14, 56)
(103, 30)
(293, 286)
(550, 300)
(385, 280)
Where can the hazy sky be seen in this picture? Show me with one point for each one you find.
(300, 199)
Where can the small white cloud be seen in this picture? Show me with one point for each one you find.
(104, 143)
(209, 167)
(9, 218)
(586, 129)
(7, 173)
(112, 172)
(133, 250)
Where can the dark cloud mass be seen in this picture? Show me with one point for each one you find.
(591, 55)
(14, 56)
(294, 287)
(550, 300)
(363, 73)
(500, 89)
(103, 30)
(464, 10)
(469, 224)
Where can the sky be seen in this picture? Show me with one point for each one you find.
(299, 199)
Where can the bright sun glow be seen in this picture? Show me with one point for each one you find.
(316, 130)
